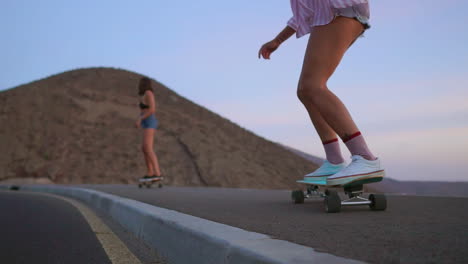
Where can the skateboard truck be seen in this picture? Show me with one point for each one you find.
(354, 193)
(313, 191)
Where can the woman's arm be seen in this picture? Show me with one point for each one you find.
(269, 47)
(286, 33)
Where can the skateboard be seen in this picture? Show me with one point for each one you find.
(333, 202)
(149, 182)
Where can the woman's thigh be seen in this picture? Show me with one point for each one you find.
(148, 137)
(326, 47)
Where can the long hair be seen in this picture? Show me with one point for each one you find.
(144, 85)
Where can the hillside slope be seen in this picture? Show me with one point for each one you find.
(78, 127)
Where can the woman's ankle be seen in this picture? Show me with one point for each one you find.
(332, 151)
(358, 146)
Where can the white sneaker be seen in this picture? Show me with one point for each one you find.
(358, 169)
(327, 169)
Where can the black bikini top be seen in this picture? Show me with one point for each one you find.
(143, 106)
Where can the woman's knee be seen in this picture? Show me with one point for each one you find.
(309, 90)
(146, 148)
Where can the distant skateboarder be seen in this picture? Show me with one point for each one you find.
(333, 25)
(149, 123)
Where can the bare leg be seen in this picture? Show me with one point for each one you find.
(326, 47)
(149, 164)
(148, 142)
(324, 131)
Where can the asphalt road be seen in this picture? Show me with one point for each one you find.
(413, 229)
(43, 229)
(39, 229)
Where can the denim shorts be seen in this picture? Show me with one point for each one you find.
(149, 122)
(360, 12)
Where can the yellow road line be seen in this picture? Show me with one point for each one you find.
(115, 249)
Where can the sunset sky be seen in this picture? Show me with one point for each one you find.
(405, 82)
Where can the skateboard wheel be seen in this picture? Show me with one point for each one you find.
(139, 185)
(378, 202)
(298, 196)
(332, 202)
(160, 185)
(148, 185)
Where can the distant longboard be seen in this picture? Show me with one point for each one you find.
(332, 200)
(149, 182)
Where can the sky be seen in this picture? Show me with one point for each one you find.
(405, 82)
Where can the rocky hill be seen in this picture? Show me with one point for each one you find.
(78, 127)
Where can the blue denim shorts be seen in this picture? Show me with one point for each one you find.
(149, 122)
(359, 12)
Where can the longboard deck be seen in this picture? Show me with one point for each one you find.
(354, 183)
(150, 180)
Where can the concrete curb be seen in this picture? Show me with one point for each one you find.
(182, 238)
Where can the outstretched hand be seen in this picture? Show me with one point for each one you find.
(267, 49)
